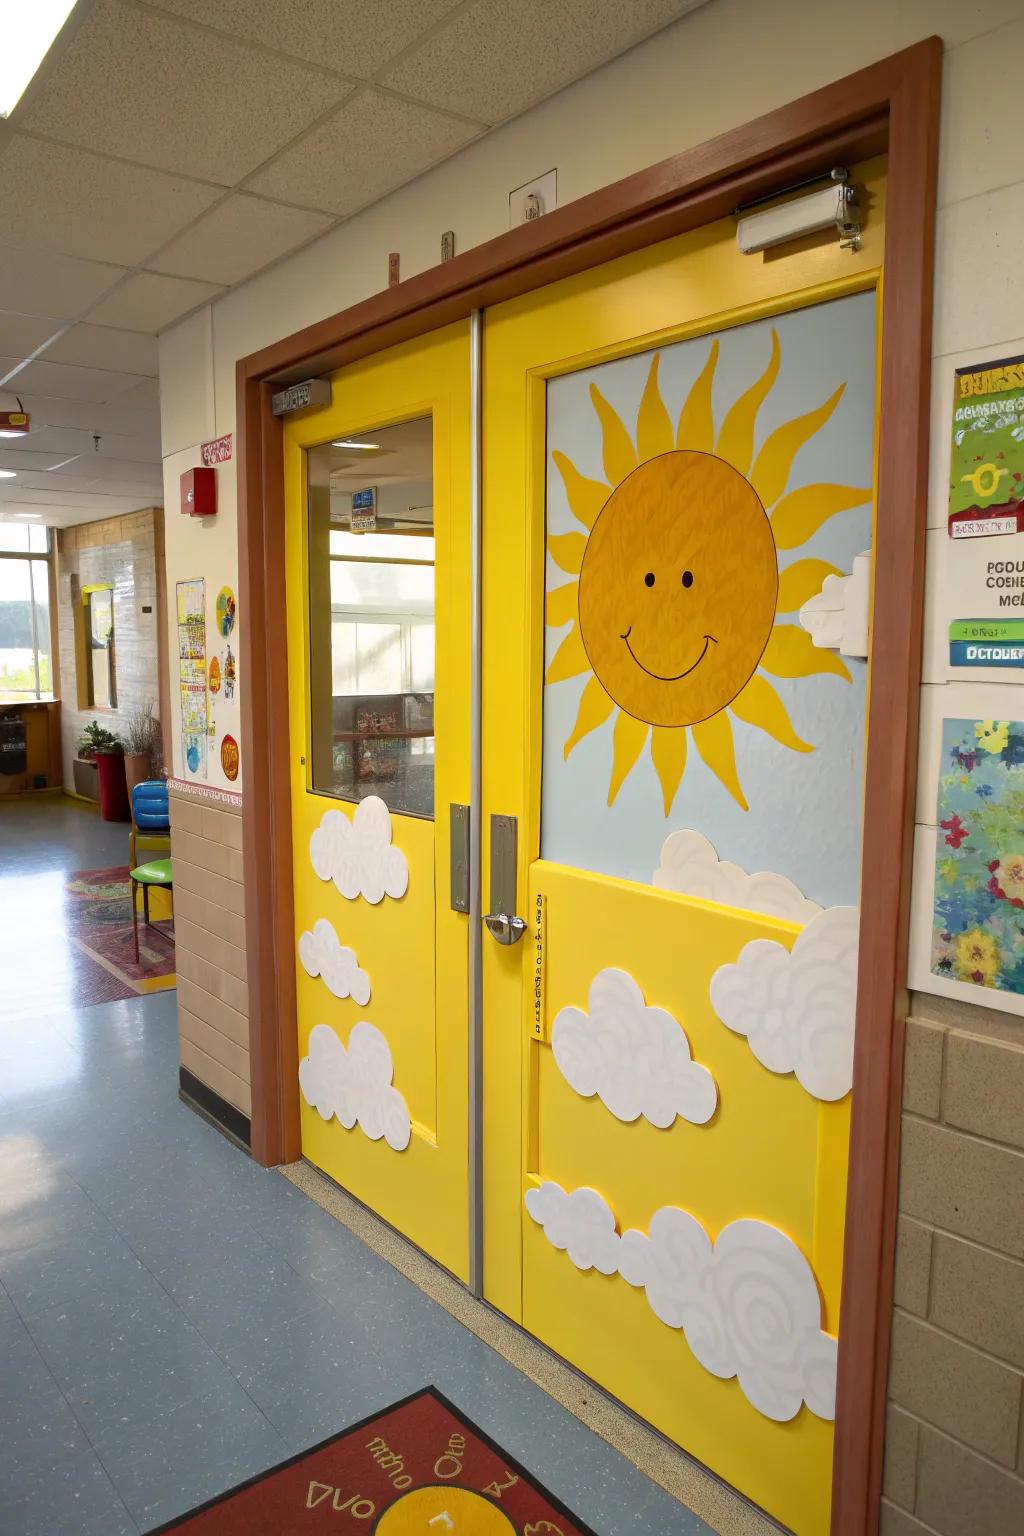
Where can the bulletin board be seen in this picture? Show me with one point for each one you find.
(192, 676)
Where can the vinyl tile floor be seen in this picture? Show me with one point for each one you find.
(175, 1319)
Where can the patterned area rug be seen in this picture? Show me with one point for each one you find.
(99, 918)
(420, 1468)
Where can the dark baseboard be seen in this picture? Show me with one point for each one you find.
(215, 1109)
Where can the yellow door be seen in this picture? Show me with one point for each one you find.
(378, 590)
(678, 470)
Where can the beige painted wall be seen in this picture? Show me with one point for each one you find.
(711, 71)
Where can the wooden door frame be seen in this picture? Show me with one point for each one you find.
(891, 108)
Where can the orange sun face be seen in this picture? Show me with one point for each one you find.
(678, 589)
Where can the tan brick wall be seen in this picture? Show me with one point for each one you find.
(955, 1435)
(209, 910)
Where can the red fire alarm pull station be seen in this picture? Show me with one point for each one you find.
(199, 492)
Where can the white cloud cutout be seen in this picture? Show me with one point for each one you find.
(355, 1084)
(580, 1224)
(797, 1008)
(689, 864)
(358, 855)
(323, 954)
(747, 1304)
(636, 1059)
(837, 617)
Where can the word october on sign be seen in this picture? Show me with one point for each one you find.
(986, 643)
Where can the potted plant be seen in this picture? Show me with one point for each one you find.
(104, 749)
(140, 742)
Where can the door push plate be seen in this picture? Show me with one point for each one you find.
(502, 923)
(458, 843)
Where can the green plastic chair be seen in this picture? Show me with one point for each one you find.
(157, 872)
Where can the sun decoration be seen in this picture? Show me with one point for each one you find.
(676, 584)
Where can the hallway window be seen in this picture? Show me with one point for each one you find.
(26, 662)
(371, 613)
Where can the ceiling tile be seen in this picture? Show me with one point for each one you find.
(21, 334)
(100, 346)
(141, 85)
(496, 59)
(30, 460)
(355, 39)
(59, 442)
(33, 500)
(372, 145)
(238, 238)
(61, 381)
(68, 200)
(148, 301)
(44, 283)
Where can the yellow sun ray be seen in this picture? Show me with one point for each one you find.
(627, 743)
(696, 427)
(736, 439)
(758, 704)
(797, 583)
(561, 604)
(802, 512)
(567, 551)
(668, 749)
(595, 707)
(586, 497)
(775, 460)
(653, 426)
(569, 660)
(619, 453)
(713, 740)
(791, 652)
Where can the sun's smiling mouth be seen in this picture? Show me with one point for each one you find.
(675, 676)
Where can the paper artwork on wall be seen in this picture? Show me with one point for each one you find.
(836, 618)
(690, 865)
(193, 696)
(229, 758)
(797, 1007)
(323, 954)
(636, 1059)
(355, 1085)
(358, 854)
(226, 611)
(978, 911)
(747, 1303)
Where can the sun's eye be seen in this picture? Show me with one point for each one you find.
(687, 578)
(649, 579)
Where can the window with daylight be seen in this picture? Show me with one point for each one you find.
(26, 651)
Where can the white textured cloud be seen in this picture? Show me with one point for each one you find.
(579, 1223)
(636, 1059)
(747, 1304)
(689, 864)
(355, 1084)
(836, 618)
(323, 954)
(797, 1008)
(357, 854)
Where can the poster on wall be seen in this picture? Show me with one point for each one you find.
(978, 908)
(986, 462)
(192, 679)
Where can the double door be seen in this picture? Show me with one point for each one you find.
(604, 1075)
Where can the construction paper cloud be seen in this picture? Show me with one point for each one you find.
(581, 1224)
(747, 1304)
(797, 1007)
(837, 617)
(636, 1059)
(689, 864)
(358, 855)
(355, 1084)
(323, 954)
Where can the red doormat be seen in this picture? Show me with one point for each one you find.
(98, 912)
(418, 1469)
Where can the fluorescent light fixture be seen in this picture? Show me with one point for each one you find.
(833, 207)
(345, 442)
(7, 474)
(27, 31)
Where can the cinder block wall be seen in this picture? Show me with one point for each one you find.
(209, 909)
(955, 1438)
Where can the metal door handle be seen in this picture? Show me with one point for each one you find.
(505, 927)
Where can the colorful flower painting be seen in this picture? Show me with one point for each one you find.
(978, 922)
